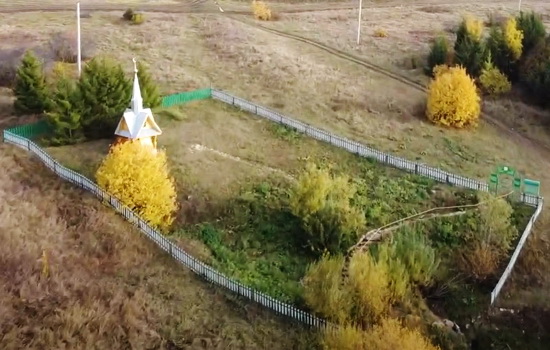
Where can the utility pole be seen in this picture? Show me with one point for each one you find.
(79, 54)
(359, 22)
(519, 6)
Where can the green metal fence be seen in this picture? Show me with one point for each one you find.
(184, 97)
(33, 130)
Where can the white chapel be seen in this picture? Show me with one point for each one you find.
(137, 123)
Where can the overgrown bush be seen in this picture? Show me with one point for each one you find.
(469, 49)
(324, 291)
(535, 72)
(149, 90)
(533, 29)
(479, 260)
(370, 282)
(261, 10)
(412, 248)
(491, 240)
(452, 98)
(495, 222)
(492, 80)
(324, 205)
(104, 94)
(64, 115)
(380, 33)
(390, 334)
(138, 176)
(346, 337)
(438, 55)
(30, 90)
(371, 287)
(64, 49)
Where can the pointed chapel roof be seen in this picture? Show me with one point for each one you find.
(137, 121)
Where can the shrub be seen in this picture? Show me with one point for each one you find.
(530, 24)
(64, 49)
(513, 37)
(149, 90)
(453, 99)
(128, 14)
(492, 80)
(495, 225)
(479, 260)
(397, 272)
(390, 334)
(31, 95)
(439, 52)
(138, 176)
(370, 283)
(363, 297)
(346, 337)
(261, 10)
(535, 72)
(64, 116)
(414, 251)
(138, 18)
(380, 33)
(104, 93)
(324, 291)
(324, 205)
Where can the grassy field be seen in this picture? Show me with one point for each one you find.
(188, 51)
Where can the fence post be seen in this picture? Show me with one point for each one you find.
(416, 168)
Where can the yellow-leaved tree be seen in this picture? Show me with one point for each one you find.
(453, 99)
(138, 176)
(513, 37)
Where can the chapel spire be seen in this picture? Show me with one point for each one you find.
(137, 100)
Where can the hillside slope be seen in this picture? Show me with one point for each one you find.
(102, 285)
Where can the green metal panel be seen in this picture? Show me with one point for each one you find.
(184, 97)
(531, 186)
(31, 131)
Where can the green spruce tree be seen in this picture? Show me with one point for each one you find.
(64, 116)
(30, 89)
(104, 95)
(149, 90)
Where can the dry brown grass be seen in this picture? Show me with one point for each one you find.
(106, 286)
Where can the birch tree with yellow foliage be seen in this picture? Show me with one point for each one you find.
(138, 176)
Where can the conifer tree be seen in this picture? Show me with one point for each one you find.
(149, 90)
(64, 116)
(30, 86)
(104, 94)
